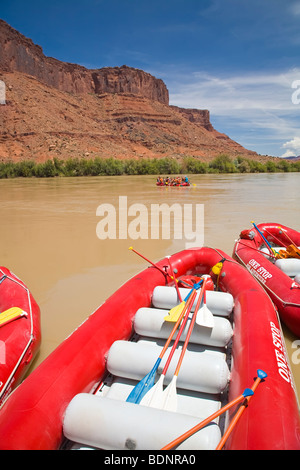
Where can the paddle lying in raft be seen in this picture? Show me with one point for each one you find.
(147, 382)
(176, 311)
(169, 397)
(261, 375)
(154, 397)
(247, 394)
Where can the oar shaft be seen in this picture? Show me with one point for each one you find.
(237, 416)
(203, 423)
(186, 307)
(191, 301)
(176, 282)
(158, 267)
(263, 237)
(287, 236)
(190, 328)
(148, 260)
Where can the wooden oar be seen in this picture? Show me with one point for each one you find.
(147, 382)
(260, 376)
(176, 311)
(169, 394)
(154, 396)
(204, 315)
(247, 392)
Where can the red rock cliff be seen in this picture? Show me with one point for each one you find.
(20, 54)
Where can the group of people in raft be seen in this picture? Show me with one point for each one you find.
(168, 181)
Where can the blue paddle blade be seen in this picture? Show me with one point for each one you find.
(248, 392)
(144, 385)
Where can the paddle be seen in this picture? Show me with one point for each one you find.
(153, 397)
(147, 382)
(247, 392)
(266, 241)
(176, 311)
(169, 394)
(11, 314)
(260, 376)
(204, 316)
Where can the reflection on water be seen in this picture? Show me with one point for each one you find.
(48, 235)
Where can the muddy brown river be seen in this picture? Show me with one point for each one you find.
(51, 233)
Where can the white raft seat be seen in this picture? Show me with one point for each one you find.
(205, 371)
(109, 424)
(150, 322)
(219, 303)
(107, 421)
(290, 266)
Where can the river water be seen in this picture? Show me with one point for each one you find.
(50, 234)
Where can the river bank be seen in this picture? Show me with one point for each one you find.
(167, 166)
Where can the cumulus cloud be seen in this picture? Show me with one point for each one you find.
(293, 147)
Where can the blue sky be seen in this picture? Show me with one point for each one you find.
(238, 58)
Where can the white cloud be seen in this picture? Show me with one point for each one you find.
(293, 147)
(295, 9)
(256, 102)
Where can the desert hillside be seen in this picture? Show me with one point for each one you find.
(56, 109)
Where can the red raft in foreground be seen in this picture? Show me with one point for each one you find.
(262, 251)
(81, 391)
(20, 334)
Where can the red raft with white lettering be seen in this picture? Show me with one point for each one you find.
(79, 396)
(271, 253)
(20, 333)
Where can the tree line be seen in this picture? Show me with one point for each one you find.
(157, 166)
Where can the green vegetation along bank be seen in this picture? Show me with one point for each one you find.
(111, 167)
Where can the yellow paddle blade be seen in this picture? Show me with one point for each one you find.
(217, 268)
(11, 314)
(175, 312)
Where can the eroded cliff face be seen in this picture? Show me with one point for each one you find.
(20, 54)
(57, 109)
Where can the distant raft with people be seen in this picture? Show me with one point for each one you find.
(173, 181)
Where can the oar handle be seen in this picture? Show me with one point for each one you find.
(260, 376)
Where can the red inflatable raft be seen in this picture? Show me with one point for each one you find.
(82, 390)
(19, 331)
(279, 276)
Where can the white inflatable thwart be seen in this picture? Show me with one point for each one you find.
(150, 322)
(290, 266)
(201, 371)
(109, 424)
(219, 303)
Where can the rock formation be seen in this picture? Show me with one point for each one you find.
(57, 109)
(20, 54)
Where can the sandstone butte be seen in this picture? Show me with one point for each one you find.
(63, 110)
